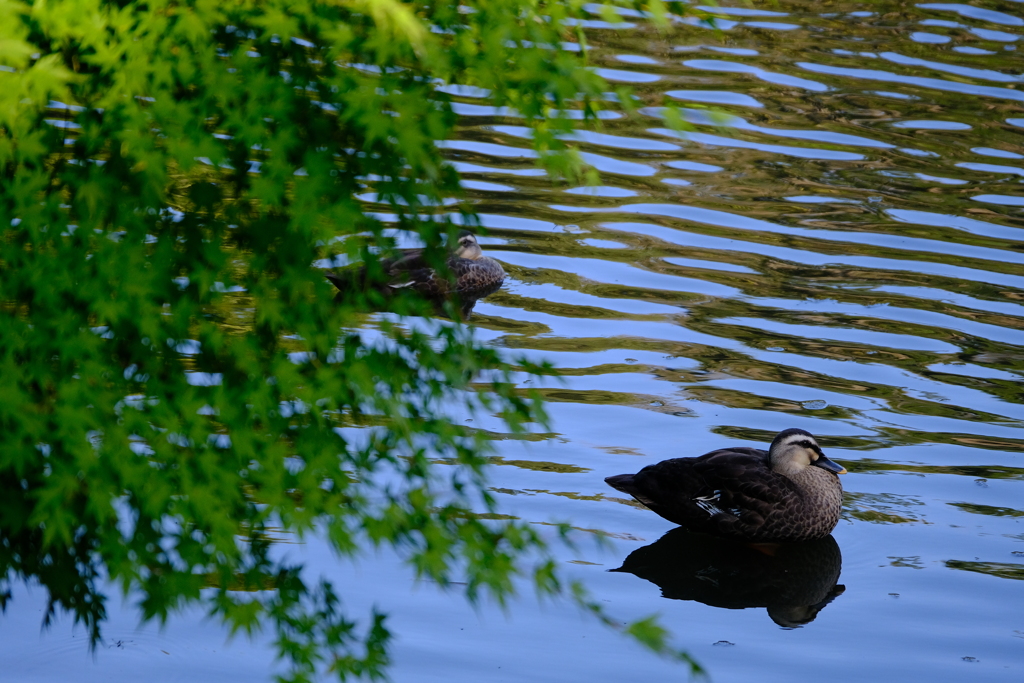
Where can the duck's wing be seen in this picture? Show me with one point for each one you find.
(410, 259)
(356, 277)
(741, 491)
(412, 270)
(728, 492)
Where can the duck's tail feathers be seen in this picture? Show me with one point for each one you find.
(622, 482)
(627, 484)
(347, 279)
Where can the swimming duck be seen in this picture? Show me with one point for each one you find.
(473, 274)
(788, 493)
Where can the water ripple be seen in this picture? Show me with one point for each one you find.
(831, 238)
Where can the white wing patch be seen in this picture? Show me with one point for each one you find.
(709, 504)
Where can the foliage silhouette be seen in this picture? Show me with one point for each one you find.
(175, 377)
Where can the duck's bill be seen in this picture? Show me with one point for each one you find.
(826, 464)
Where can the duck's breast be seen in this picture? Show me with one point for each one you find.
(815, 512)
(477, 277)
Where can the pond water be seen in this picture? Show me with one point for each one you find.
(836, 244)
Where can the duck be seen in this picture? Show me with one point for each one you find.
(789, 493)
(473, 275)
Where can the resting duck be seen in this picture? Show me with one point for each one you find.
(789, 493)
(473, 274)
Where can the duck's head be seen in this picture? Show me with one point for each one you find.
(467, 247)
(794, 449)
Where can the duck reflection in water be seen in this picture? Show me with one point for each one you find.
(794, 581)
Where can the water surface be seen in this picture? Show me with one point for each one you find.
(837, 244)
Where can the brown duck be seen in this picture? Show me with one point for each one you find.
(789, 493)
(473, 275)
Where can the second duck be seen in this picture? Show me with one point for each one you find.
(473, 274)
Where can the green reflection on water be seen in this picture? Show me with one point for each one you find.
(1003, 570)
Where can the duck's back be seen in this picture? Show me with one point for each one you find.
(730, 492)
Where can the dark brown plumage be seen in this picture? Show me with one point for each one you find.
(788, 493)
(473, 275)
